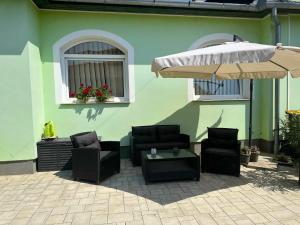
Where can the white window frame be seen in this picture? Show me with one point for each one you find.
(75, 38)
(214, 39)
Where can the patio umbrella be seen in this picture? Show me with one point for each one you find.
(234, 60)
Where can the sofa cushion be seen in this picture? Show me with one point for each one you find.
(144, 131)
(144, 139)
(167, 132)
(169, 138)
(220, 152)
(87, 139)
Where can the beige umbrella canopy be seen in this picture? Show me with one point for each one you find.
(229, 61)
(238, 60)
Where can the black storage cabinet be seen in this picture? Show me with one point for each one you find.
(54, 155)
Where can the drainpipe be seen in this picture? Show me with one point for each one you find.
(276, 23)
(288, 77)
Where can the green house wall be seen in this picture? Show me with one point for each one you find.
(21, 109)
(157, 100)
(27, 81)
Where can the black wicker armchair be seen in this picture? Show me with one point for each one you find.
(220, 152)
(92, 159)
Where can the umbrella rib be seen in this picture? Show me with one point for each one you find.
(240, 69)
(217, 69)
(279, 65)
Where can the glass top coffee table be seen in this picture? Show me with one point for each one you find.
(170, 154)
(171, 164)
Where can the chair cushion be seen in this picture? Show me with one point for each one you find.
(89, 139)
(220, 152)
(107, 154)
(223, 137)
(94, 145)
(222, 133)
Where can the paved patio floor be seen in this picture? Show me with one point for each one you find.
(256, 197)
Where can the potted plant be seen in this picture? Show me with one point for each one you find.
(290, 135)
(84, 93)
(254, 153)
(245, 155)
(283, 160)
(103, 93)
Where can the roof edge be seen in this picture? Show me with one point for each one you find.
(259, 9)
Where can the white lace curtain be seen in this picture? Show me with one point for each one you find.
(217, 87)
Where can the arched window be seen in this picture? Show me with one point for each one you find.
(93, 58)
(216, 89)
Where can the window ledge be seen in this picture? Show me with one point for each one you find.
(93, 101)
(221, 100)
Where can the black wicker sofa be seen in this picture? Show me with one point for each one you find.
(156, 136)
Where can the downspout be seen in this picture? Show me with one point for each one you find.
(288, 77)
(276, 23)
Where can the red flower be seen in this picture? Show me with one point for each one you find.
(105, 86)
(86, 91)
(72, 94)
(99, 93)
(81, 84)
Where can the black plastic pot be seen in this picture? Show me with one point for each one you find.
(245, 159)
(254, 156)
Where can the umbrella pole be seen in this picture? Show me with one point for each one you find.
(250, 116)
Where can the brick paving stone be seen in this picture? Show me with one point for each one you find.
(69, 218)
(39, 218)
(120, 217)
(81, 218)
(170, 221)
(54, 219)
(257, 218)
(99, 219)
(185, 218)
(283, 214)
(62, 210)
(205, 219)
(135, 222)
(290, 222)
(151, 219)
(189, 222)
(244, 222)
(294, 208)
(19, 221)
(224, 220)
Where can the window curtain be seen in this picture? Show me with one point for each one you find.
(95, 72)
(217, 87)
(94, 48)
